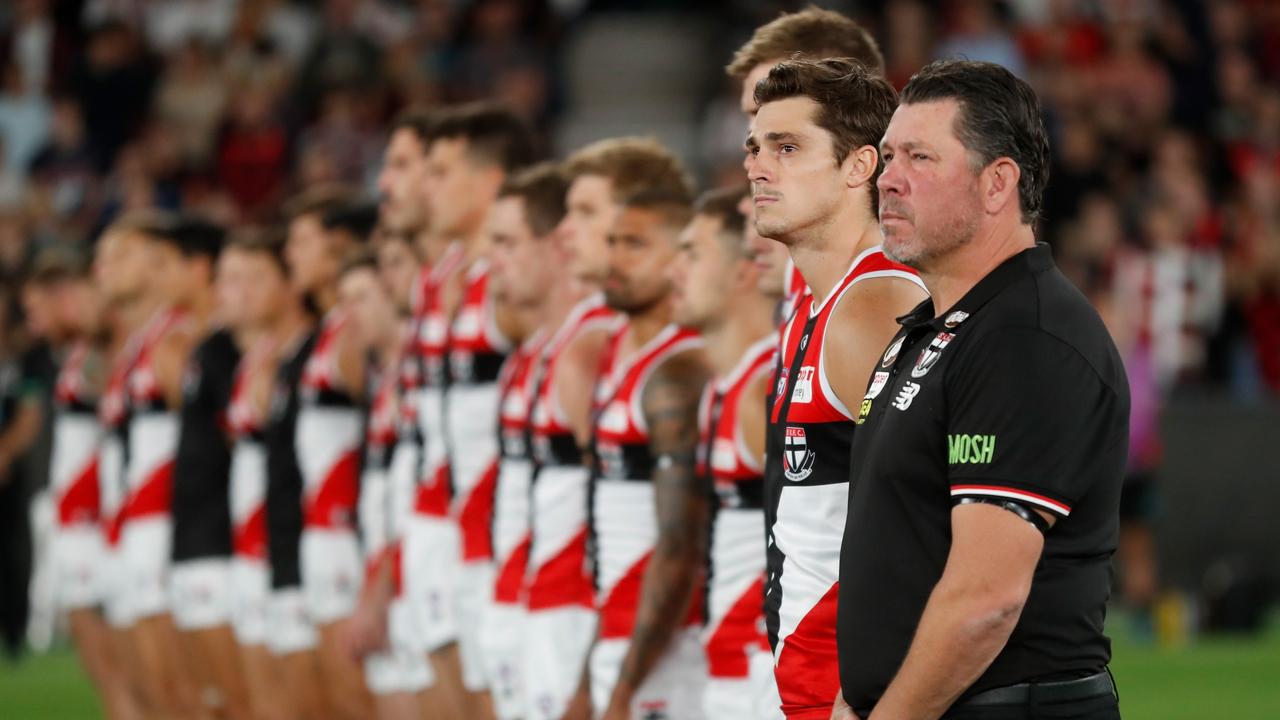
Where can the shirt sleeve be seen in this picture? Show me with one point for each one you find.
(1029, 419)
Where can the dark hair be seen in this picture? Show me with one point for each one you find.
(632, 165)
(267, 241)
(58, 264)
(198, 237)
(357, 219)
(494, 134)
(542, 187)
(319, 201)
(854, 106)
(674, 205)
(722, 204)
(810, 34)
(418, 121)
(362, 259)
(999, 116)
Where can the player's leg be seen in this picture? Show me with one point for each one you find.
(98, 650)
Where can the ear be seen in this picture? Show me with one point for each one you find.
(999, 185)
(860, 167)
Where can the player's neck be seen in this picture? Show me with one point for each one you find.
(750, 320)
(200, 307)
(289, 326)
(646, 324)
(561, 300)
(824, 254)
(433, 247)
(135, 313)
(475, 244)
(325, 297)
(953, 276)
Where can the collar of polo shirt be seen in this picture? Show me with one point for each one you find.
(1034, 259)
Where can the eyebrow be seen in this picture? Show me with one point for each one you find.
(776, 137)
(907, 146)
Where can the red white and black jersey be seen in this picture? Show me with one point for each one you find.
(152, 427)
(73, 463)
(245, 422)
(113, 418)
(623, 515)
(477, 350)
(558, 575)
(375, 511)
(735, 577)
(434, 492)
(806, 497)
(328, 435)
(515, 469)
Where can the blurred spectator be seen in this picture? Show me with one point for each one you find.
(24, 120)
(253, 151)
(114, 82)
(977, 33)
(63, 172)
(344, 138)
(174, 23)
(192, 98)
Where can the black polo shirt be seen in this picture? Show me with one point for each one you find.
(1015, 392)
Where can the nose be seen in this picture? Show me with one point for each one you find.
(892, 180)
(758, 169)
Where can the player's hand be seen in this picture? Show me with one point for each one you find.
(579, 707)
(365, 631)
(840, 709)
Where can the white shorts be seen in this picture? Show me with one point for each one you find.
(429, 558)
(754, 697)
(251, 604)
(115, 600)
(289, 628)
(332, 572)
(556, 643)
(401, 668)
(144, 554)
(78, 555)
(474, 592)
(201, 593)
(673, 690)
(502, 643)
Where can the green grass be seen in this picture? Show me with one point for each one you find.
(1234, 678)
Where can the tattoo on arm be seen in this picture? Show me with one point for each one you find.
(683, 503)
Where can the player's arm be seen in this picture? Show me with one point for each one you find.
(971, 612)
(860, 328)
(683, 502)
(752, 421)
(170, 361)
(352, 362)
(575, 380)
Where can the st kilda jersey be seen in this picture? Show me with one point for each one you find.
(806, 496)
(558, 575)
(328, 435)
(375, 506)
(284, 477)
(152, 427)
(477, 351)
(736, 572)
(248, 459)
(73, 464)
(113, 418)
(623, 515)
(515, 469)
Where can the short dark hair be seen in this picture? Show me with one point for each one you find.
(318, 201)
(810, 34)
(855, 106)
(722, 204)
(359, 219)
(999, 116)
(198, 237)
(268, 241)
(674, 205)
(418, 121)
(542, 187)
(58, 264)
(494, 134)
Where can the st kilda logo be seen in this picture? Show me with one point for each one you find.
(797, 456)
(929, 356)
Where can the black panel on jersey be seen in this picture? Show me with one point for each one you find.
(202, 465)
(284, 476)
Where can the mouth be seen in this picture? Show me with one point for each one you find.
(759, 200)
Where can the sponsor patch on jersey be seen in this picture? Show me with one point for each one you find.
(797, 456)
(930, 355)
(892, 353)
(878, 381)
(954, 319)
(803, 392)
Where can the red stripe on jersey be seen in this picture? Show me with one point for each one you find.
(331, 507)
(250, 538)
(563, 581)
(1029, 496)
(807, 672)
(476, 517)
(739, 632)
(81, 500)
(154, 496)
(433, 494)
(618, 610)
(506, 589)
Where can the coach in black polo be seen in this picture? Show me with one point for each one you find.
(987, 462)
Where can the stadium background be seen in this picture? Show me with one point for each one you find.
(1163, 205)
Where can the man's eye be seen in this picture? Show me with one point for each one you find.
(919, 156)
(788, 148)
(886, 156)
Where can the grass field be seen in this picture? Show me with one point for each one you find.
(1213, 679)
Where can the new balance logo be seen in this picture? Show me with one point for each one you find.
(906, 395)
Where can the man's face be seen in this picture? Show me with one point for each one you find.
(122, 265)
(39, 308)
(930, 203)
(747, 100)
(399, 269)
(363, 296)
(309, 254)
(704, 274)
(590, 213)
(458, 189)
(402, 184)
(78, 306)
(520, 260)
(795, 182)
(231, 287)
(641, 248)
(770, 256)
(267, 292)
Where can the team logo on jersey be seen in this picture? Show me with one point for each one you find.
(954, 319)
(892, 353)
(782, 383)
(797, 456)
(878, 381)
(803, 391)
(929, 356)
